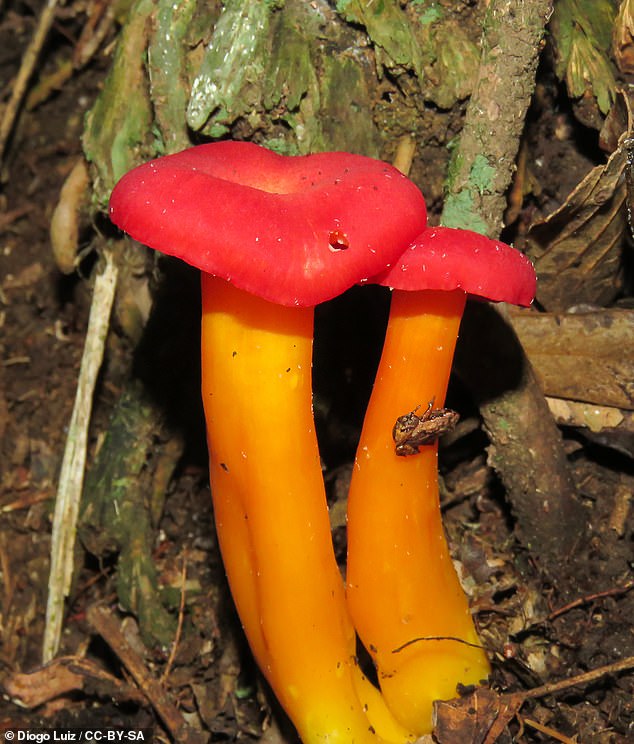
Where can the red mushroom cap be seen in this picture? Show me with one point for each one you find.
(294, 230)
(449, 258)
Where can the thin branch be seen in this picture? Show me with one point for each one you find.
(29, 60)
(179, 627)
(580, 601)
(580, 679)
(106, 624)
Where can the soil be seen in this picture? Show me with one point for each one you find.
(533, 637)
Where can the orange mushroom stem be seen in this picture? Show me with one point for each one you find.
(404, 596)
(272, 521)
(275, 236)
(269, 506)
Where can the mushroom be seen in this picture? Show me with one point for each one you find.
(273, 236)
(404, 596)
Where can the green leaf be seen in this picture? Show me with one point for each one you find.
(581, 31)
(389, 28)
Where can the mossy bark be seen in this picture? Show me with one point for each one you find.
(526, 445)
(483, 161)
(123, 499)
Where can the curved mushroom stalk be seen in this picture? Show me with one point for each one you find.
(404, 596)
(271, 515)
(292, 232)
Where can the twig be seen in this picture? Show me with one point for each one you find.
(579, 679)
(29, 61)
(71, 477)
(67, 674)
(8, 218)
(506, 707)
(108, 628)
(26, 501)
(179, 627)
(94, 32)
(548, 731)
(615, 591)
(7, 576)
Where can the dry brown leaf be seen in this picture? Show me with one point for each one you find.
(63, 675)
(478, 718)
(584, 356)
(482, 716)
(577, 250)
(623, 38)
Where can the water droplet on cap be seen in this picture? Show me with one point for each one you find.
(338, 241)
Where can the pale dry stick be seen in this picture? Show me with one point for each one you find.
(71, 477)
(29, 61)
(89, 42)
(548, 731)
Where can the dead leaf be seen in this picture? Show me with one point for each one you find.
(583, 356)
(577, 250)
(478, 718)
(63, 675)
(623, 38)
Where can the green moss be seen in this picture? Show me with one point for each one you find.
(459, 211)
(581, 31)
(389, 29)
(117, 135)
(167, 67)
(482, 174)
(290, 74)
(281, 145)
(228, 84)
(430, 14)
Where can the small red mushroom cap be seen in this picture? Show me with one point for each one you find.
(295, 230)
(449, 258)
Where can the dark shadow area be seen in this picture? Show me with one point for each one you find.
(489, 359)
(349, 332)
(167, 358)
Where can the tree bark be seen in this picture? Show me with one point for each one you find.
(526, 446)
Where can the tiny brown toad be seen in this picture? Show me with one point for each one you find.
(411, 431)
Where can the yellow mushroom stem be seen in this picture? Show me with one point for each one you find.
(272, 517)
(404, 596)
